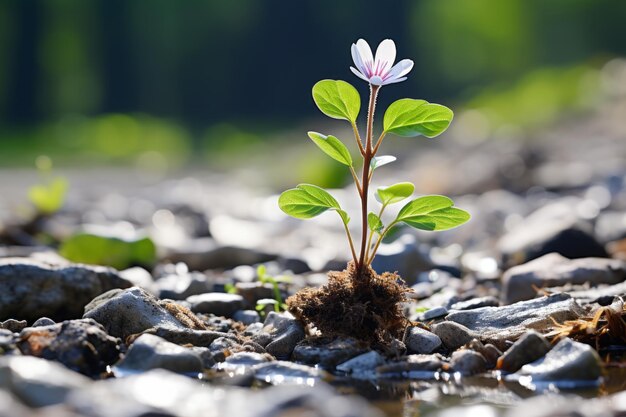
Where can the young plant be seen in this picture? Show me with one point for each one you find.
(48, 197)
(406, 118)
(265, 278)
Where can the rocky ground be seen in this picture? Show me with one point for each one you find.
(519, 312)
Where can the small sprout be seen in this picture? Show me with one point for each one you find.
(230, 288)
(405, 117)
(265, 278)
(48, 197)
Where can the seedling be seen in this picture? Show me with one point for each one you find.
(406, 118)
(49, 196)
(265, 278)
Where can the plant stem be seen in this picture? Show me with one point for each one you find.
(345, 226)
(356, 181)
(369, 240)
(357, 136)
(365, 178)
(378, 242)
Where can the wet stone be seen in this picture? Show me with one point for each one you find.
(327, 352)
(467, 362)
(222, 347)
(452, 335)
(151, 352)
(38, 382)
(362, 366)
(220, 304)
(554, 270)
(412, 366)
(568, 364)
(528, 348)
(497, 325)
(182, 286)
(81, 345)
(283, 372)
(488, 351)
(70, 286)
(418, 340)
(243, 360)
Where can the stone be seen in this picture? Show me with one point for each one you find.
(252, 292)
(247, 317)
(468, 362)
(528, 348)
(498, 325)
(362, 366)
(412, 366)
(223, 347)
(189, 336)
(603, 295)
(284, 334)
(553, 270)
(284, 372)
(38, 382)
(152, 352)
(418, 340)
(242, 360)
(81, 345)
(69, 288)
(43, 321)
(139, 277)
(433, 313)
(472, 303)
(327, 353)
(131, 311)
(488, 351)
(568, 364)
(452, 335)
(11, 407)
(14, 326)
(218, 303)
(205, 254)
(182, 286)
(403, 256)
(552, 228)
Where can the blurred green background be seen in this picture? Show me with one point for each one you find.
(171, 83)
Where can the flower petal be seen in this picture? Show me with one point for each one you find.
(356, 57)
(400, 69)
(359, 74)
(385, 55)
(376, 80)
(393, 80)
(365, 53)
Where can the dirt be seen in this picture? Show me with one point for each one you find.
(367, 307)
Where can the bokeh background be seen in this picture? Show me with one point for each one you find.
(166, 85)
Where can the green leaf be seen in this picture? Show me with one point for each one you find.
(433, 212)
(345, 218)
(337, 99)
(408, 117)
(379, 161)
(374, 223)
(49, 198)
(91, 248)
(332, 147)
(307, 201)
(394, 193)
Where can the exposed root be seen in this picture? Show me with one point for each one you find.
(367, 307)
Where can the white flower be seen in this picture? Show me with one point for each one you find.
(379, 70)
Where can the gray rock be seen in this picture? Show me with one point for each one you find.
(247, 317)
(205, 254)
(81, 345)
(488, 351)
(14, 326)
(467, 362)
(182, 286)
(131, 311)
(603, 295)
(242, 360)
(568, 364)
(418, 340)
(218, 303)
(139, 277)
(552, 228)
(433, 313)
(362, 366)
(189, 336)
(11, 407)
(554, 270)
(222, 347)
(7, 341)
(497, 325)
(254, 291)
(151, 352)
(284, 333)
(452, 335)
(43, 321)
(404, 256)
(412, 366)
(38, 382)
(528, 348)
(283, 372)
(473, 303)
(68, 288)
(327, 352)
